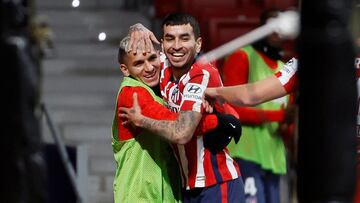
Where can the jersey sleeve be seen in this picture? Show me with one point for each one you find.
(194, 91)
(125, 132)
(199, 78)
(288, 75)
(149, 108)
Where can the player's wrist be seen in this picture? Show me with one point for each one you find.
(219, 94)
(140, 121)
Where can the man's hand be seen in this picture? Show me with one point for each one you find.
(131, 115)
(141, 39)
(228, 127)
(209, 108)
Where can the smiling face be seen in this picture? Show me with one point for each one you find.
(180, 46)
(143, 67)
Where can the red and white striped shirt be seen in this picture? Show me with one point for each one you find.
(199, 167)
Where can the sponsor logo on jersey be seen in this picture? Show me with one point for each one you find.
(195, 89)
(193, 92)
(289, 68)
(192, 97)
(291, 65)
(285, 69)
(290, 62)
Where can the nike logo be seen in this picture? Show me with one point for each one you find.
(233, 126)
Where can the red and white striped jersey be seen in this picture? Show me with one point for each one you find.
(288, 75)
(199, 167)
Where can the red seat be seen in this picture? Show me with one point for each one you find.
(195, 7)
(164, 7)
(281, 4)
(239, 12)
(222, 30)
(265, 4)
(235, 13)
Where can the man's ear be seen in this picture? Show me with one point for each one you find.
(198, 44)
(124, 69)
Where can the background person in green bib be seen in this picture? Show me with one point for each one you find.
(146, 168)
(261, 152)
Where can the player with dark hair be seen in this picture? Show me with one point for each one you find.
(208, 175)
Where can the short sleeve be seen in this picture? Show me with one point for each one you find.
(288, 75)
(194, 90)
(149, 107)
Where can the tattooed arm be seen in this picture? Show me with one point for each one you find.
(141, 39)
(179, 131)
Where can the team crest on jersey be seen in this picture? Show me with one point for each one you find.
(174, 99)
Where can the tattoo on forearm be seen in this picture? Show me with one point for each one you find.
(182, 128)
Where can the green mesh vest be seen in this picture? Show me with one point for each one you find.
(146, 170)
(261, 143)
